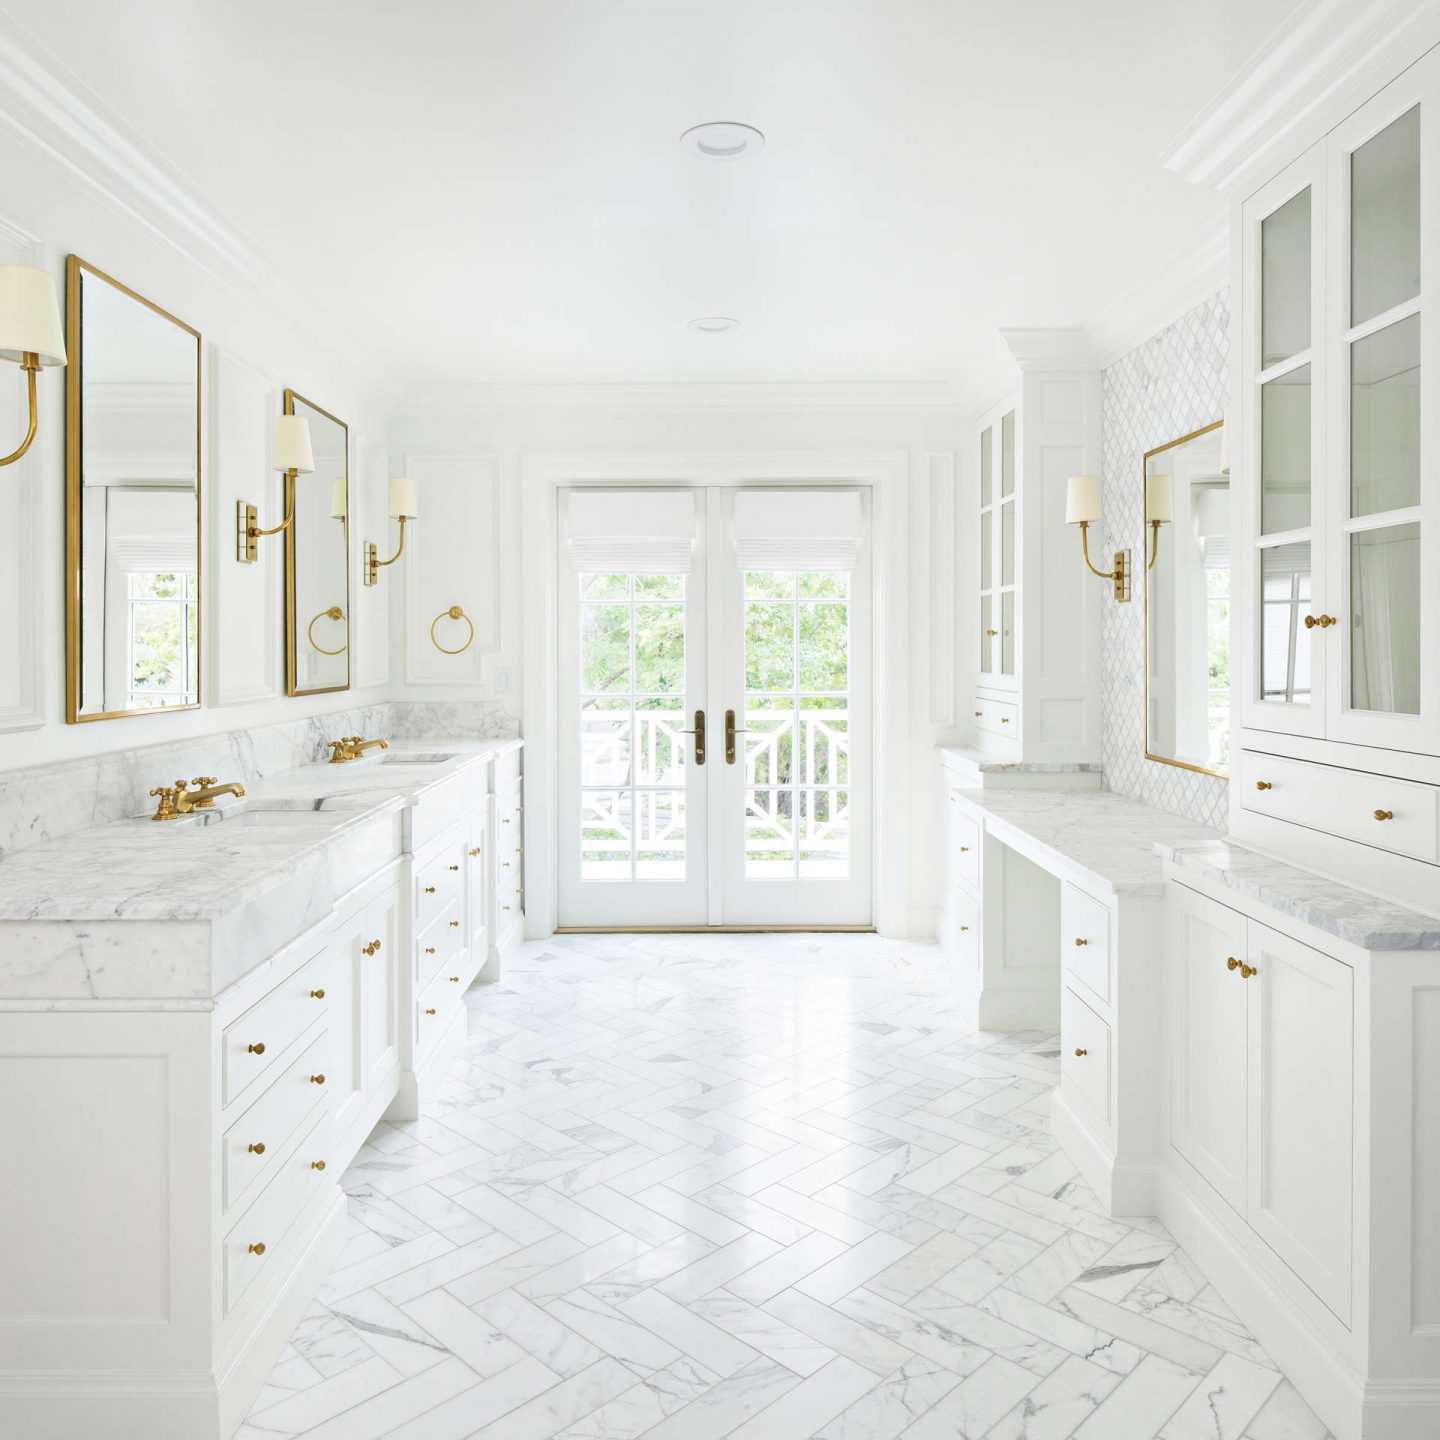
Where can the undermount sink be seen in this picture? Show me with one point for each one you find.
(426, 758)
(267, 819)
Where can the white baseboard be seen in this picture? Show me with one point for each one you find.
(1018, 1009)
(1123, 1187)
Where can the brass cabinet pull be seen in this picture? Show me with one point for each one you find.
(506, 908)
(1004, 719)
(317, 1164)
(1082, 942)
(1079, 1051)
(371, 948)
(429, 889)
(1311, 622)
(255, 1049)
(991, 634)
(429, 1012)
(964, 928)
(1324, 622)
(454, 867)
(429, 949)
(979, 714)
(258, 1248)
(256, 1149)
(730, 733)
(317, 994)
(964, 849)
(504, 864)
(699, 733)
(1246, 971)
(504, 819)
(454, 924)
(474, 852)
(1263, 785)
(1384, 814)
(1231, 963)
(317, 1079)
(454, 979)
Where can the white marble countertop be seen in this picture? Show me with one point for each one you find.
(1361, 919)
(1093, 836)
(968, 758)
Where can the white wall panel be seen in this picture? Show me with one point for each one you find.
(369, 604)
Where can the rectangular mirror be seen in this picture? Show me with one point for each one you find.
(317, 558)
(132, 486)
(1187, 603)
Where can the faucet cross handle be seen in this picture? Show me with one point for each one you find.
(165, 810)
(200, 782)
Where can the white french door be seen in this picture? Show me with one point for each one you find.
(714, 734)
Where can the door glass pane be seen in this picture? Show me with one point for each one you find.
(987, 460)
(1385, 419)
(1385, 620)
(1385, 219)
(1007, 633)
(633, 749)
(987, 662)
(1007, 454)
(1007, 543)
(797, 715)
(1284, 640)
(1285, 453)
(1285, 281)
(987, 545)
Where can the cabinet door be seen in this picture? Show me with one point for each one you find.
(380, 991)
(1207, 1040)
(1383, 495)
(477, 887)
(345, 1078)
(1301, 1066)
(989, 559)
(1279, 517)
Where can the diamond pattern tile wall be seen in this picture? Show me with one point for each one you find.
(1174, 383)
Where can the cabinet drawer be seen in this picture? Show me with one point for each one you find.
(963, 932)
(477, 917)
(263, 1231)
(435, 1007)
(964, 843)
(254, 1142)
(1344, 803)
(509, 815)
(1085, 940)
(438, 883)
(507, 771)
(255, 1042)
(437, 945)
(1084, 1056)
(997, 717)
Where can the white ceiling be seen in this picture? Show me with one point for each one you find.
(494, 191)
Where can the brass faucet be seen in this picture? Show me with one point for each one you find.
(361, 746)
(352, 747)
(178, 800)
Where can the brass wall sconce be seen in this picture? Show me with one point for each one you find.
(31, 335)
(402, 507)
(292, 456)
(1082, 508)
(1159, 510)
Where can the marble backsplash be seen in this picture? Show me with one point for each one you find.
(49, 801)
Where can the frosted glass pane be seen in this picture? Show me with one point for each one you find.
(1285, 453)
(987, 652)
(987, 462)
(1385, 620)
(1284, 640)
(1007, 544)
(1285, 281)
(1385, 419)
(1007, 454)
(1385, 219)
(1007, 633)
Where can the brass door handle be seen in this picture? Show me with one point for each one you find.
(699, 733)
(1079, 1051)
(1384, 814)
(730, 733)
(1231, 963)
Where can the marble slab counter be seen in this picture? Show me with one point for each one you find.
(980, 769)
(1095, 837)
(1352, 915)
(231, 887)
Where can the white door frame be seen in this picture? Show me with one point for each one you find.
(887, 472)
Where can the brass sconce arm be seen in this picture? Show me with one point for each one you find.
(1154, 543)
(1119, 577)
(247, 532)
(373, 562)
(31, 366)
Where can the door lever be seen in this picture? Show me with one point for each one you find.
(699, 733)
(730, 733)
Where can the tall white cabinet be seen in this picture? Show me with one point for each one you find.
(1037, 610)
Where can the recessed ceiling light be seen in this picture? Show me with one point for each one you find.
(723, 140)
(714, 324)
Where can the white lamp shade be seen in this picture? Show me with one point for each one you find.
(1082, 500)
(1225, 444)
(292, 445)
(338, 500)
(402, 498)
(1159, 498)
(29, 316)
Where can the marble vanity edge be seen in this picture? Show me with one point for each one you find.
(1367, 921)
(958, 757)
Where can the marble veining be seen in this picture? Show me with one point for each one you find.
(965, 757)
(1362, 919)
(1101, 836)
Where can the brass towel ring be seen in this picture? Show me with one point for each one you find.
(333, 613)
(453, 613)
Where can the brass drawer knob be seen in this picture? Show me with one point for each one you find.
(258, 1148)
(1082, 942)
(317, 1079)
(1004, 719)
(474, 852)
(505, 908)
(1079, 1051)
(258, 1248)
(317, 994)
(429, 1012)
(1384, 814)
(992, 633)
(979, 714)
(1263, 785)
(371, 948)
(964, 849)
(1311, 622)
(454, 867)
(504, 819)
(964, 928)
(1246, 971)
(1326, 621)
(1231, 963)
(504, 864)
(429, 889)
(454, 924)
(429, 949)
(257, 1049)
(454, 979)
(317, 1164)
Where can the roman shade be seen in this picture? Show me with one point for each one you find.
(798, 529)
(621, 532)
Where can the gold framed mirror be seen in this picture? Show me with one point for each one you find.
(1185, 555)
(317, 558)
(132, 503)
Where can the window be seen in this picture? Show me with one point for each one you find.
(161, 636)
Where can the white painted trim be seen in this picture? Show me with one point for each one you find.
(1046, 348)
(1322, 62)
(888, 472)
(940, 554)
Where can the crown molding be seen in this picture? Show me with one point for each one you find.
(684, 396)
(1035, 348)
(1322, 62)
(47, 108)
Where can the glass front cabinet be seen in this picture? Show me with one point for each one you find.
(1340, 254)
(998, 530)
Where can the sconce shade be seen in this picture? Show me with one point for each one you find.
(1159, 498)
(1225, 444)
(292, 445)
(1082, 500)
(402, 498)
(338, 499)
(29, 316)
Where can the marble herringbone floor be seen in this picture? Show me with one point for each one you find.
(764, 1187)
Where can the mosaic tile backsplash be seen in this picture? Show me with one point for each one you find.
(1176, 382)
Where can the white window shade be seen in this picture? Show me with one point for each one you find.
(622, 532)
(798, 529)
(159, 554)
